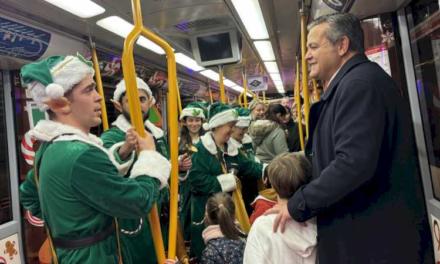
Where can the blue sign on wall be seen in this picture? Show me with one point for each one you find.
(22, 41)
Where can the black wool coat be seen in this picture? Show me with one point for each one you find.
(366, 190)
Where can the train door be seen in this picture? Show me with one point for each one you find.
(419, 26)
(10, 223)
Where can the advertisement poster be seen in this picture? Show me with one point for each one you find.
(379, 55)
(10, 250)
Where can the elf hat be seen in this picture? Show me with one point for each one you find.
(244, 117)
(219, 114)
(194, 109)
(141, 85)
(54, 76)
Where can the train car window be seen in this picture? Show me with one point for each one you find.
(5, 188)
(424, 28)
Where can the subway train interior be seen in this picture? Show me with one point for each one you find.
(229, 51)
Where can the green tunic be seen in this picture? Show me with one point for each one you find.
(184, 200)
(139, 246)
(250, 186)
(204, 182)
(80, 191)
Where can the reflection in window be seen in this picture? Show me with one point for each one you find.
(5, 191)
(424, 33)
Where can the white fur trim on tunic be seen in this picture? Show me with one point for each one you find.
(188, 111)
(124, 167)
(227, 182)
(221, 119)
(246, 139)
(47, 130)
(151, 163)
(122, 123)
(209, 144)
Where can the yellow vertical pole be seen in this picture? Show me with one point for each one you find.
(298, 106)
(316, 94)
(99, 86)
(222, 86)
(210, 93)
(245, 86)
(179, 100)
(304, 76)
(136, 119)
(264, 96)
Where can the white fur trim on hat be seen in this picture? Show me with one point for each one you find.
(151, 163)
(70, 72)
(227, 182)
(243, 121)
(188, 111)
(54, 91)
(65, 75)
(222, 118)
(121, 88)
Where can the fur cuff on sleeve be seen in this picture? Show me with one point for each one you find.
(262, 171)
(122, 165)
(227, 182)
(152, 164)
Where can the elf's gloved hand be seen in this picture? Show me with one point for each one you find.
(227, 182)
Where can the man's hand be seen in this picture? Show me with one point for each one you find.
(283, 215)
(129, 144)
(184, 162)
(146, 143)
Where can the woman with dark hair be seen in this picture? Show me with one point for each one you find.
(268, 135)
(191, 119)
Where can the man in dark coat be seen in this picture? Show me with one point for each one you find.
(366, 191)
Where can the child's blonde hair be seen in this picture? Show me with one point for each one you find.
(287, 172)
(220, 210)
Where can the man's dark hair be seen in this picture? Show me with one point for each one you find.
(340, 25)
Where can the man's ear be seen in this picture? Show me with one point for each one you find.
(59, 105)
(117, 105)
(343, 46)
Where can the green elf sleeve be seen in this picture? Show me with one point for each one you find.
(98, 184)
(249, 168)
(29, 195)
(201, 178)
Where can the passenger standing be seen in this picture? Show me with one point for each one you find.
(136, 238)
(191, 118)
(243, 141)
(75, 187)
(268, 135)
(224, 240)
(212, 166)
(258, 109)
(366, 190)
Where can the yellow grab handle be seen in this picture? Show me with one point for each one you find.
(136, 119)
(298, 106)
(305, 81)
(100, 88)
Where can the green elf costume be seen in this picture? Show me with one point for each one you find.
(136, 235)
(194, 109)
(79, 188)
(207, 175)
(250, 186)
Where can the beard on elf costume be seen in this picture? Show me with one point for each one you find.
(136, 237)
(77, 187)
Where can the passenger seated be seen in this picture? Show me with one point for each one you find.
(224, 240)
(297, 243)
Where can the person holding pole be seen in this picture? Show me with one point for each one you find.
(76, 186)
(136, 236)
